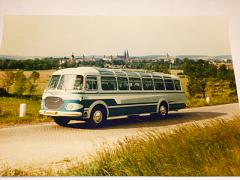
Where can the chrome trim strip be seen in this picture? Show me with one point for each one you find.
(125, 116)
(145, 114)
(132, 105)
(117, 117)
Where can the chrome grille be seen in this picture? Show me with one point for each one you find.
(53, 103)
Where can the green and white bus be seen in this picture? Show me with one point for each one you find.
(96, 95)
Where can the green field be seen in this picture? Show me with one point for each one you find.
(210, 149)
(9, 111)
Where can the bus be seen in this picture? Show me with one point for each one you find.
(96, 95)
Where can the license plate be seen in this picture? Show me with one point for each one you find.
(51, 113)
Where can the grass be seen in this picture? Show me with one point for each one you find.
(9, 106)
(9, 111)
(211, 149)
(199, 102)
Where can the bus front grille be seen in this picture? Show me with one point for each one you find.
(54, 103)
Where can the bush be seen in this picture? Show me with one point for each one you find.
(3, 92)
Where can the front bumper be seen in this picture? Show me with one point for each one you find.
(60, 113)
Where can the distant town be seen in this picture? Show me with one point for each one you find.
(124, 60)
(120, 61)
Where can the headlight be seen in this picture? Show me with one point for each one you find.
(42, 106)
(73, 106)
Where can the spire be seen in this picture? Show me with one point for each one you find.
(72, 56)
(127, 55)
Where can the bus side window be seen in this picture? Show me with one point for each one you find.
(159, 84)
(169, 84)
(177, 85)
(147, 84)
(109, 83)
(91, 83)
(123, 83)
(135, 84)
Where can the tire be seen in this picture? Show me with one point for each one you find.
(163, 109)
(97, 118)
(61, 121)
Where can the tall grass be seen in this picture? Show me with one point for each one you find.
(217, 100)
(9, 111)
(196, 150)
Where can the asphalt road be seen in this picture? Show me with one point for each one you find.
(47, 143)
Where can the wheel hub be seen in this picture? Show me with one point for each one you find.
(97, 116)
(163, 110)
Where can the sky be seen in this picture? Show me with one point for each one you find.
(28, 35)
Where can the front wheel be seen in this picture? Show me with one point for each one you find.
(61, 121)
(97, 118)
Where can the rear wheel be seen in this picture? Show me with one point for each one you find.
(163, 109)
(61, 121)
(97, 118)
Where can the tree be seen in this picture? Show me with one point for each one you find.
(20, 83)
(34, 76)
(222, 72)
(199, 73)
(32, 88)
(8, 79)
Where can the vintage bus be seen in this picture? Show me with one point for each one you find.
(96, 95)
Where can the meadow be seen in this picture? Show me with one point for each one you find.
(9, 111)
(210, 149)
(9, 106)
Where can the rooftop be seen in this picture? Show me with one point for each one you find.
(113, 72)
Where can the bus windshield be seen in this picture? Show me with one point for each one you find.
(53, 82)
(66, 82)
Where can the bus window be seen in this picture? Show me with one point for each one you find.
(147, 84)
(159, 84)
(177, 85)
(91, 83)
(109, 83)
(71, 82)
(123, 83)
(169, 84)
(135, 84)
(53, 82)
(78, 84)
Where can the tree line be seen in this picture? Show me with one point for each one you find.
(30, 64)
(201, 72)
(53, 63)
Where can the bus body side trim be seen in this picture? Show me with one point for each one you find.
(132, 105)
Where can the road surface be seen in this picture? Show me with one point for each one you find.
(47, 143)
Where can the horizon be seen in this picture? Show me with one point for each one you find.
(97, 55)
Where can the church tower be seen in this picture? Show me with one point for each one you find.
(127, 55)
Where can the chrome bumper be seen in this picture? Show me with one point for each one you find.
(59, 113)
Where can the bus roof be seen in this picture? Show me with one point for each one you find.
(114, 72)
